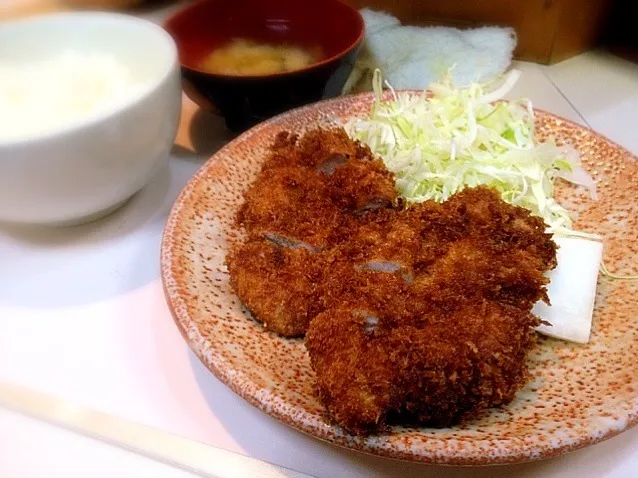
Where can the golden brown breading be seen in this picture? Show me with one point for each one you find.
(454, 338)
(419, 315)
(354, 178)
(310, 188)
(311, 191)
(314, 149)
(291, 201)
(277, 284)
(361, 185)
(449, 365)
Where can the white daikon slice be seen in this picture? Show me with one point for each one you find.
(572, 290)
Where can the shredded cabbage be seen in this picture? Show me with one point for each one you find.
(439, 143)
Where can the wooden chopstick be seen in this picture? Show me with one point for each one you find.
(165, 447)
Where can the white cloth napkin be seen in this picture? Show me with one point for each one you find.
(414, 57)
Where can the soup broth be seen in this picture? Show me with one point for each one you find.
(247, 57)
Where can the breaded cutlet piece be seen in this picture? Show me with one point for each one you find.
(473, 244)
(454, 338)
(311, 194)
(310, 188)
(494, 249)
(361, 185)
(372, 368)
(278, 285)
(436, 243)
(357, 180)
(293, 202)
(420, 314)
(314, 149)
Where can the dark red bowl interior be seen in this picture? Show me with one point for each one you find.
(336, 28)
(199, 28)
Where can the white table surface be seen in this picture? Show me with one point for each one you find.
(83, 317)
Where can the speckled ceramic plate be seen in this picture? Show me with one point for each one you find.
(579, 394)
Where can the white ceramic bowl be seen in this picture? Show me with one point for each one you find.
(88, 168)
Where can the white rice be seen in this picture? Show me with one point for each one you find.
(38, 97)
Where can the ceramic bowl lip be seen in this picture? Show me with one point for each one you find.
(353, 46)
(92, 119)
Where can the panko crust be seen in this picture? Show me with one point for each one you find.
(419, 314)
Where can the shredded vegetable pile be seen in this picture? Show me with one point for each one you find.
(456, 137)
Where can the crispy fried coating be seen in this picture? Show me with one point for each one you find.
(310, 188)
(361, 185)
(490, 249)
(454, 338)
(291, 201)
(277, 284)
(372, 368)
(310, 192)
(418, 314)
(314, 149)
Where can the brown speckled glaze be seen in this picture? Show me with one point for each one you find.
(579, 394)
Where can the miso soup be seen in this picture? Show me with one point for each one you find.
(243, 57)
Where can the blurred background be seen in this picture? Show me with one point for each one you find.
(549, 31)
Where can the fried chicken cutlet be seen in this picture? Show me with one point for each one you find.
(293, 202)
(417, 315)
(374, 368)
(310, 194)
(313, 192)
(456, 338)
(277, 284)
(309, 188)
